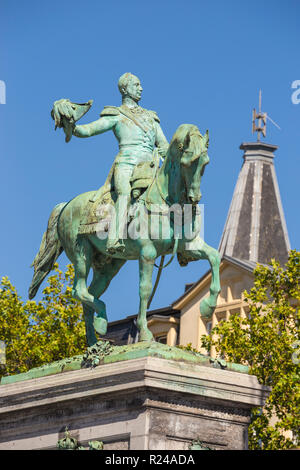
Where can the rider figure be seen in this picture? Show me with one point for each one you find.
(138, 132)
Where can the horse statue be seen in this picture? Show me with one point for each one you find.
(176, 182)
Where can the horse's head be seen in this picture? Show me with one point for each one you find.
(190, 148)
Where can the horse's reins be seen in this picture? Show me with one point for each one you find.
(175, 247)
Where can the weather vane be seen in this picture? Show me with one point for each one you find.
(261, 128)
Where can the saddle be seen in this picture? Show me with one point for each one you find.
(96, 214)
(142, 177)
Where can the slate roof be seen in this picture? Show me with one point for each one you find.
(255, 229)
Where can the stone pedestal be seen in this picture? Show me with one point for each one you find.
(143, 403)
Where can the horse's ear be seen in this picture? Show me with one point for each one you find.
(206, 137)
(187, 140)
(192, 147)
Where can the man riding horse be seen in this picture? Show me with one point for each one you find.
(138, 132)
(176, 183)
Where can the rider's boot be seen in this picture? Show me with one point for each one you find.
(117, 225)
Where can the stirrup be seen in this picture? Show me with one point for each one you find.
(116, 246)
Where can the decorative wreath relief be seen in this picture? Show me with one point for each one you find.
(94, 354)
(70, 443)
(198, 445)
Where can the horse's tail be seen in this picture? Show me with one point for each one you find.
(48, 253)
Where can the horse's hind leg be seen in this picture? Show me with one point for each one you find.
(101, 280)
(82, 263)
(88, 314)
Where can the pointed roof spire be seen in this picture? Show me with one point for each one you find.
(255, 229)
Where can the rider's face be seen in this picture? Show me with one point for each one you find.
(134, 89)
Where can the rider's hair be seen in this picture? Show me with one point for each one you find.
(124, 80)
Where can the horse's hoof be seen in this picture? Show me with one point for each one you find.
(100, 325)
(206, 310)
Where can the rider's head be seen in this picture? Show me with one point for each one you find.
(129, 85)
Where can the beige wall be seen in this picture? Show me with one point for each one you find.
(165, 327)
(234, 281)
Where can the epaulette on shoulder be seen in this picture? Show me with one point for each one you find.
(154, 115)
(110, 111)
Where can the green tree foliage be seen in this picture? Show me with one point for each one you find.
(268, 341)
(36, 333)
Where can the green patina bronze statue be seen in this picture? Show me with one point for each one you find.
(140, 213)
(138, 132)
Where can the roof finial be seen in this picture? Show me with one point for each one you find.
(262, 121)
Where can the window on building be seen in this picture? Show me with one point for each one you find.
(161, 339)
(208, 327)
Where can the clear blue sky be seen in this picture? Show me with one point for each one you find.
(199, 62)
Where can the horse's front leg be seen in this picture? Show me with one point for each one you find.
(200, 250)
(208, 305)
(146, 264)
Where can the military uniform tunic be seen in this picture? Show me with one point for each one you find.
(137, 130)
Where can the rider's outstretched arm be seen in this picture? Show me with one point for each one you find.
(103, 124)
